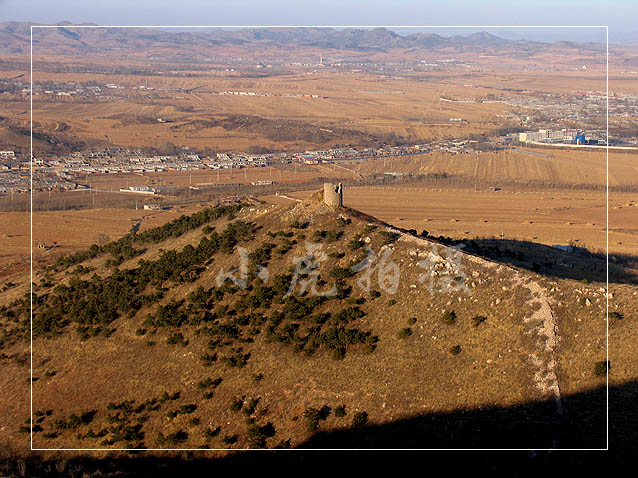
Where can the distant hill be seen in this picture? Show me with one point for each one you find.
(14, 39)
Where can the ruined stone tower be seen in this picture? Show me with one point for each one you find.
(333, 195)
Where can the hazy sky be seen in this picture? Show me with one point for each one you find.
(620, 15)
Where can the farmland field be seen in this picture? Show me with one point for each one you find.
(557, 167)
(547, 217)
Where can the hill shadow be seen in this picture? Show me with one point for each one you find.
(534, 425)
(578, 263)
(531, 426)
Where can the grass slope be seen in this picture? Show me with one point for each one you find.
(139, 345)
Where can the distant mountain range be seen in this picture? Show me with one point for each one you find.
(15, 39)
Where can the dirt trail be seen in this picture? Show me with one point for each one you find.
(543, 324)
(288, 197)
(136, 226)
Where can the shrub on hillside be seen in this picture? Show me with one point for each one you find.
(250, 406)
(449, 317)
(339, 353)
(340, 411)
(229, 439)
(616, 316)
(208, 359)
(236, 358)
(318, 235)
(601, 369)
(174, 438)
(359, 419)
(211, 432)
(355, 243)
(237, 404)
(314, 415)
(405, 333)
(341, 273)
(333, 236)
(257, 435)
(478, 320)
(176, 338)
(387, 237)
(299, 225)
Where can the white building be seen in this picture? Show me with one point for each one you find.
(546, 136)
(7, 154)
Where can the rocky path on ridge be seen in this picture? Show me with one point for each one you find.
(541, 324)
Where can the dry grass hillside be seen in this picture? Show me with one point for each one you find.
(137, 344)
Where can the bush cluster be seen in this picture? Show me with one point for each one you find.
(123, 247)
(449, 317)
(601, 369)
(314, 415)
(99, 301)
(478, 320)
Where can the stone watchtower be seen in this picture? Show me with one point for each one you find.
(333, 195)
